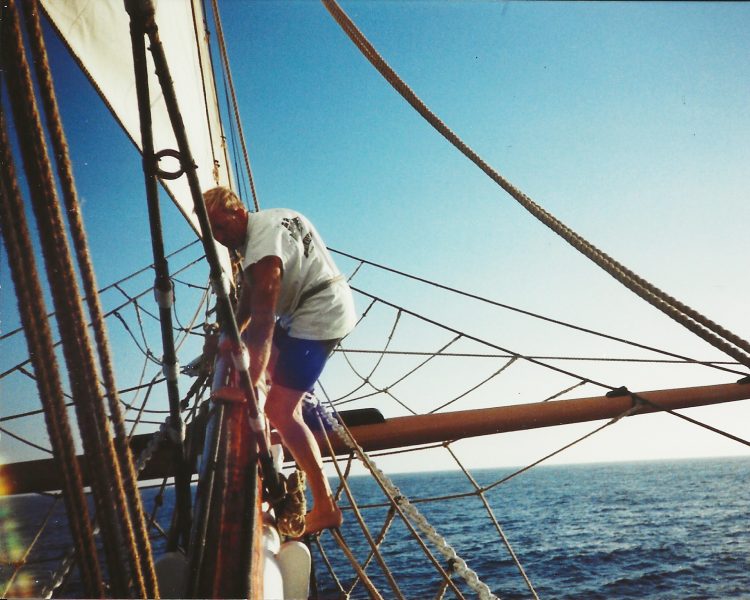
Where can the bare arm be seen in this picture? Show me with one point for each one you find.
(256, 311)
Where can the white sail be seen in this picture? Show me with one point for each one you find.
(98, 35)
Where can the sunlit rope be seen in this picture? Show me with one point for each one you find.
(366, 532)
(406, 509)
(329, 566)
(108, 461)
(16, 237)
(543, 357)
(566, 390)
(379, 539)
(366, 378)
(386, 390)
(479, 340)
(206, 105)
(707, 363)
(141, 409)
(498, 528)
(475, 387)
(372, 590)
(353, 506)
(689, 318)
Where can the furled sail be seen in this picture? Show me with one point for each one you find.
(98, 36)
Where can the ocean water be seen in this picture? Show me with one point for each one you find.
(663, 530)
(677, 529)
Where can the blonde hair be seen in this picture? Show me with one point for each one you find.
(221, 197)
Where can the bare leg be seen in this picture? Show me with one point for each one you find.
(284, 409)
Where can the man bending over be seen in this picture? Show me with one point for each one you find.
(293, 309)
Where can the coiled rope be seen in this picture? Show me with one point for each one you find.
(700, 325)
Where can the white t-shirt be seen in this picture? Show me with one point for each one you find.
(306, 263)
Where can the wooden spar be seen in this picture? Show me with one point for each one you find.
(425, 429)
(398, 432)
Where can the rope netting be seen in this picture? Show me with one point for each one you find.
(386, 377)
(401, 379)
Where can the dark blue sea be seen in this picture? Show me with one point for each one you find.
(663, 530)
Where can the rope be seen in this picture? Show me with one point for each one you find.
(481, 341)
(544, 357)
(366, 379)
(76, 346)
(578, 440)
(566, 390)
(501, 481)
(405, 508)
(86, 269)
(374, 593)
(25, 441)
(331, 571)
(475, 387)
(206, 107)
(106, 288)
(695, 322)
(106, 315)
(386, 390)
(491, 514)
(290, 514)
(39, 340)
(540, 317)
(142, 408)
(363, 526)
(378, 542)
(235, 106)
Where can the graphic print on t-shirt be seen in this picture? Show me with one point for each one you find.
(297, 229)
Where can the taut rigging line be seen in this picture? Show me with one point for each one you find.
(711, 332)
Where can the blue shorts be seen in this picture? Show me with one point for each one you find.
(299, 362)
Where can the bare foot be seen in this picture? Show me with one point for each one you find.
(328, 517)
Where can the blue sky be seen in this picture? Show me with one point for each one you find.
(628, 121)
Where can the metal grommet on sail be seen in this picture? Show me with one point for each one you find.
(168, 174)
